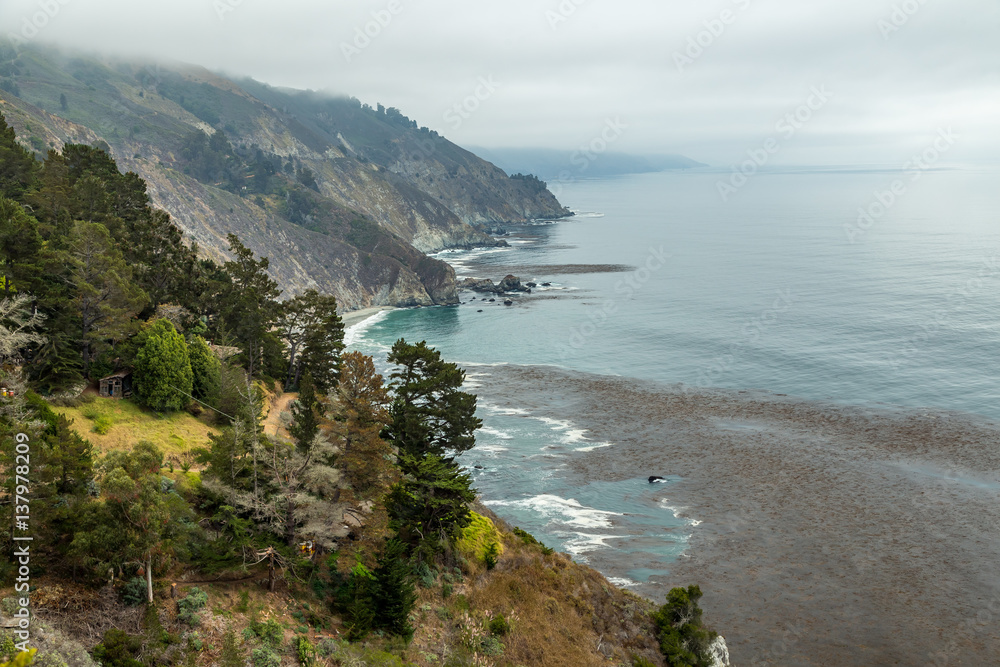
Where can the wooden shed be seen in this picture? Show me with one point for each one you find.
(118, 385)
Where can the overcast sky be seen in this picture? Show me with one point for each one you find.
(559, 70)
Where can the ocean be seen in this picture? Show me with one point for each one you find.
(821, 284)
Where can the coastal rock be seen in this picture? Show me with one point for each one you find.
(655, 478)
(718, 652)
(477, 285)
(508, 302)
(508, 284)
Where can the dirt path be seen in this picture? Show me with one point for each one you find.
(279, 404)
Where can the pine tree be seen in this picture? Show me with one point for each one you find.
(305, 416)
(136, 508)
(395, 593)
(68, 458)
(432, 500)
(106, 298)
(206, 370)
(20, 245)
(163, 376)
(363, 400)
(314, 334)
(430, 414)
(17, 165)
(249, 303)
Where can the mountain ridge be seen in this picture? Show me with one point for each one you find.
(342, 197)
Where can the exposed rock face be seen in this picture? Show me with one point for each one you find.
(354, 196)
(719, 652)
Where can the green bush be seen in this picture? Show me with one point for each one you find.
(446, 591)
(134, 592)
(269, 632)
(264, 657)
(529, 539)
(231, 655)
(305, 651)
(188, 607)
(639, 661)
(118, 649)
(683, 640)
(491, 646)
(499, 625)
(492, 555)
(103, 424)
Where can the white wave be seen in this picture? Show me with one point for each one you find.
(496, 433)
(497, 410)
(582, 543)
(564, 511)
(622, 582)
(593, 447)
(491, 448)
(676, 511)
(354, 333)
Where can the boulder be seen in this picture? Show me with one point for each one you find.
(508, 302)
(511, 283)
(655, 478)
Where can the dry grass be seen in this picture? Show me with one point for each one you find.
(175, 433)
(562, 614)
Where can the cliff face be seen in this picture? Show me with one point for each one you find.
(340, 196)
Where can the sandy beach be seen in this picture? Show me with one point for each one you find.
(830, 535)
(354, 317)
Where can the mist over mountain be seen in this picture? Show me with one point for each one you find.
(553, 165)
(342, 196)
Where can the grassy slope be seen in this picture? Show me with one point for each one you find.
(562, 613)
(175, 433)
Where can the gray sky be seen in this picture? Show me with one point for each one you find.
(561, 69)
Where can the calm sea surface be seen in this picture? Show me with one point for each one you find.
(780, 288)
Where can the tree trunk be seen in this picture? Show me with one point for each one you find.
(290, 523)
(149, 578)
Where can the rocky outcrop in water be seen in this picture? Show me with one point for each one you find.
(510, 283)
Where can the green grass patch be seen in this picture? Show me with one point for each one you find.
(481, 540)
(118, 424)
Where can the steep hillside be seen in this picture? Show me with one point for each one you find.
(342, 197)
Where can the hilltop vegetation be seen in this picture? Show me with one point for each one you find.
(343, 197)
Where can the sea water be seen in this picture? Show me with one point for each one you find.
(804, 282)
